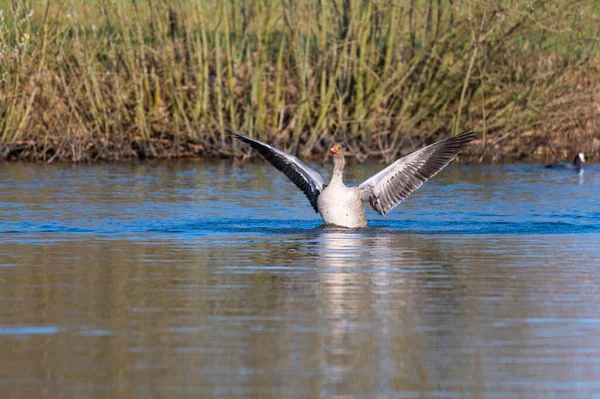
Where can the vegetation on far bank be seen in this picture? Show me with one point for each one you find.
(116, 79)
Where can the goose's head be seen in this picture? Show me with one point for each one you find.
(580, 157)
(338, 150)
(338, 157)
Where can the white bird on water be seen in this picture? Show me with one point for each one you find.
(343, 206)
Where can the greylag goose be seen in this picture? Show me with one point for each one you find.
(577, 163)
(343, 206)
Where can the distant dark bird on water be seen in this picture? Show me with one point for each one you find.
(343, 206)
(577, 163)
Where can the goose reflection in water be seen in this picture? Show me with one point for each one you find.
(357, 284)
(373, 287)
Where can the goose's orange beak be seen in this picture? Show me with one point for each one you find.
(335, 149)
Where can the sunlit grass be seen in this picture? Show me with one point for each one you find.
(105, 79)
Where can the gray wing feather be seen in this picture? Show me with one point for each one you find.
(388, 188)
(305, 178)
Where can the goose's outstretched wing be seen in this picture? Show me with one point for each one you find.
(306, 179)
(388, 188)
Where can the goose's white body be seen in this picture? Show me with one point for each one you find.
(342, 206)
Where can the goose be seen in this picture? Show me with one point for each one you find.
(577, 163)
(343, 206)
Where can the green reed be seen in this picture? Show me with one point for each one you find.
(107, 79)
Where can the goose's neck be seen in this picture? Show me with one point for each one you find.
(338, 169)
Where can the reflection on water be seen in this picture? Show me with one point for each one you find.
(184, 280)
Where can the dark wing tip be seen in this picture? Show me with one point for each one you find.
(256, 144)
(464, 138)
(452, 145)
(235, 134)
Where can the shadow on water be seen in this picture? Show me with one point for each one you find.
(187, 280)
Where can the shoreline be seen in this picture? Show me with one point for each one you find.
(505, 149)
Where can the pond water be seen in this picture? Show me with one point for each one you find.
(192, 279)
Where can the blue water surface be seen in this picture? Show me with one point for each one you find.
(218, 280)
(196, 199)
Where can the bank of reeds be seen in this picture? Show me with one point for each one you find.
(115, 79)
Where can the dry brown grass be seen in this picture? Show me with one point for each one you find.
(126, 79)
